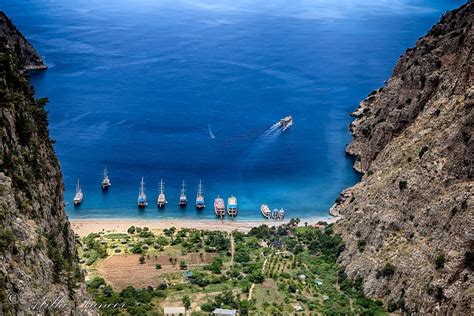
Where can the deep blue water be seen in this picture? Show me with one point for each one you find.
(188, 90)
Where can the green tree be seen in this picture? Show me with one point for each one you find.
(186, 301)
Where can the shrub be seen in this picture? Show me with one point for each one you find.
(361, 245)
(402, 185)
(439, 262)
(6, 239)
(158, 266)
(256, 277)
(142, 259)
(131, 230)
(388, 270)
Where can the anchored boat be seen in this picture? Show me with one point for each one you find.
(275, 213)
(281, 214)
(200, 198)
(265, 211)
(106, 181)
(286, 122)
(161, 201)
(141, 201)
(232, 206)
(79, 195)
(182, 197)
(219, 207)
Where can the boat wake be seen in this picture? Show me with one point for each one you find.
(262, 145)
(211, 134)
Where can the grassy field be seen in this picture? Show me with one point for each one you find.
(277, 271)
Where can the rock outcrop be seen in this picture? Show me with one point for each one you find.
(408, 224)
(27, 56)
(37, 246)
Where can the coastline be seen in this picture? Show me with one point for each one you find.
(83, 227)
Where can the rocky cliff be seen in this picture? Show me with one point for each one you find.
(37, 245)
(408, 224)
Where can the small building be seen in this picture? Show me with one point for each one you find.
(174, 311)
(318, 282)
(224, 312)
(302, 277)
(325, 297)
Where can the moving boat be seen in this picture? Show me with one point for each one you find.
(200, 198)
(141, 201)
(161, 201)
(106, 181)
(219, 207)
(281, 214)
(79, 195)
(232, 206)
(286, 122)
(182, 198)
(265, 211)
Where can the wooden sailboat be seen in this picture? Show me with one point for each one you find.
(161, 201)
(182, 197)
(219, 207)
(106, 180)
(232, 206)
(200, 197)
(141, 201)
(79, 196)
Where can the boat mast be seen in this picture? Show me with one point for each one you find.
(142, 187)
(105, 172)
(161, 186)
(183, 190)
(200, 189)
(78, 187)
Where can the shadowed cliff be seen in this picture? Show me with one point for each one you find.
(408, 223)
(37, 245)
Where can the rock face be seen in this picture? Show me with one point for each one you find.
(408, 224)
(37, 245)
(28, 57)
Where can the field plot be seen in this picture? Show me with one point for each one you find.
(126, 270)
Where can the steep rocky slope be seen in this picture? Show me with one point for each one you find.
(408, 224)
(27, 56)
(37, 245)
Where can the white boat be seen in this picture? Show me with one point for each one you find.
(182, 197)
(265, 211)
(286, 122)
(232, 206)
(219, 207)
(161, 201)
(106, 180)
(79, 196)
(200, 197)
(275, 214)
(281, 214)
(141, 201)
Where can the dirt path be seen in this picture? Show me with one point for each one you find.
(253, 284)
(232, 249)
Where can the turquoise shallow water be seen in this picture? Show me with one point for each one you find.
(189, 89)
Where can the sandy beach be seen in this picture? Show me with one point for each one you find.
(83, 227)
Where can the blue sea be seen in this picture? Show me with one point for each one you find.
(189, 90)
